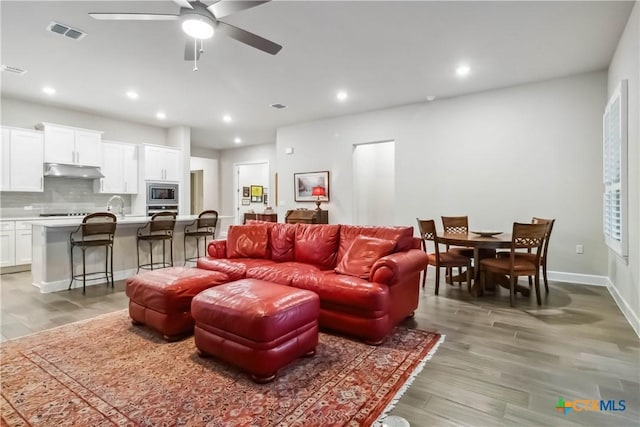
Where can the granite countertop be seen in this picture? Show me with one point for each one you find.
(75, 221)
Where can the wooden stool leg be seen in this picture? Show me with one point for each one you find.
(72, 272)
(84, 272)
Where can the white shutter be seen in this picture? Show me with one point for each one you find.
(614, 168)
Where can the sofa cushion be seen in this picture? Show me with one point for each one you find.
(282, 239)
(402, 235)
(247, 241)
(362, 254)
(346, 294)
(317, 244)
(235, 268)
(282, 273)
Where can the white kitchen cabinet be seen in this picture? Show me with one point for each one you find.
(5, 159)
(71, 146)
(7, 244)
(22, 158)
(23, 243)
(161, 163)
(120, 169)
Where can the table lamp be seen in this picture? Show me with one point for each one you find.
(318, 192)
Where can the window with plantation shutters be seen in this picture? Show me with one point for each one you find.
(614, 167)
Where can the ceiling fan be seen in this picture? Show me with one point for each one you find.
(200, 21)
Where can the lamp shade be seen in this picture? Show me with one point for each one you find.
(318, 191)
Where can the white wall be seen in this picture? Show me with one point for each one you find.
(374, 183)
(210, 181)
(253, 153)
(27, 114)
(625, 274)
(498, 157)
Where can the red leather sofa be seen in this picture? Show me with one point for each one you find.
(367, 278)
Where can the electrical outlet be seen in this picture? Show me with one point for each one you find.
(579, 249)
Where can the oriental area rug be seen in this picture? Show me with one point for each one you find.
(104, 371)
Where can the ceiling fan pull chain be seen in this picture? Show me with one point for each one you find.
(195, 55)
(201, 46)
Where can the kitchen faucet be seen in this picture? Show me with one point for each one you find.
(120, 211)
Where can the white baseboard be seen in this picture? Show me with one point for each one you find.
(624, 307)
(63, 285)
(582, 279)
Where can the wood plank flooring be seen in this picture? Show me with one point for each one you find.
(498, 365)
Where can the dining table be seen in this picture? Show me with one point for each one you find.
(478, 241)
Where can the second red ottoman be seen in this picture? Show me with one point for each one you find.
(162, 298)
(256, 325)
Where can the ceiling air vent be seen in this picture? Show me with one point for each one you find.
(14, 70)
(278, 106)
(65, 30)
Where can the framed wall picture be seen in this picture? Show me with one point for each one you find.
(246, 202)
(304, 182)
(256, 193)
(246, 192)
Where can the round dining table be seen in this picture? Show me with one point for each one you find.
(477, 242)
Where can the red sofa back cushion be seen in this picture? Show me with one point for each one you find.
(282, 239)
(248, 241)
(317, 244)
(362, 254)
(402, 235)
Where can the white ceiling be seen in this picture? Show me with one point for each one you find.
(384, 53)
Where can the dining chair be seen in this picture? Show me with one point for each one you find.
(528, 237)
(440, 259)
(543, 258)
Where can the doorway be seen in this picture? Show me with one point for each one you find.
(374, 183)
(246, 175)
(197, 192)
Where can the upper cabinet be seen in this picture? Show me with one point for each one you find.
(71, 146)
(120, 169)
(161, 163)
(21, 157)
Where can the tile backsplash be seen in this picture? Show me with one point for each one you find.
(60, 195)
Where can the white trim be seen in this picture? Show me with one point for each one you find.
(63, 285)
(624, 307)
(583, 279)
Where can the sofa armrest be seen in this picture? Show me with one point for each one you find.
(217, 249)
(392, 268)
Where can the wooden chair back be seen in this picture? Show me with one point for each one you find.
(163, 222)
(98, 225)
(455, 224)
(208, 219)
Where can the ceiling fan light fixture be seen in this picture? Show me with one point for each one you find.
(197, 28)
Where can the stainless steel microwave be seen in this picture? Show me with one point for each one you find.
(160, 193)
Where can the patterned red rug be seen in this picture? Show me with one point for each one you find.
(105, 371)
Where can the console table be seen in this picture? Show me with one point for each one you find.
(260, 217)
(307, 216)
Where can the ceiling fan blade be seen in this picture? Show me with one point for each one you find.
(248, 38)
(134, 16)
(183, 3)
(189, 51)
(224, 8)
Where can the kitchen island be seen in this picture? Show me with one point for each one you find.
(51, 269)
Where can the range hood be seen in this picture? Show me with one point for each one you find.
(71, 171)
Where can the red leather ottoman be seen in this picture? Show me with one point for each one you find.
(256, 325)
(162, 298)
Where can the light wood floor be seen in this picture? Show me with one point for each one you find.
(498, 365)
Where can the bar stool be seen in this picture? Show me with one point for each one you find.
(205, 227)
(158, 229)
(96, 230)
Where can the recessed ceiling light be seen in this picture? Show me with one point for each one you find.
(226, 118)
(463, 70)
(342, 95)
(237, 140)
(160, 115)
(49, 90)
(431, 97)
(132, 94)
